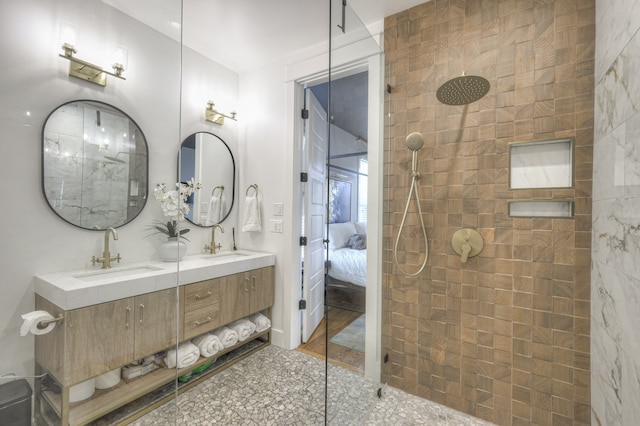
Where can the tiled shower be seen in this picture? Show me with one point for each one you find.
(505, 336)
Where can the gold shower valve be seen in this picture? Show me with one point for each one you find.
(467, 243)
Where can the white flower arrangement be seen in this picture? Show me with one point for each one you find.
(174, 206)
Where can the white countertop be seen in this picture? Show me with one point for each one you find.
(86, 287)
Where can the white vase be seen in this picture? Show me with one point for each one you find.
(172, 250)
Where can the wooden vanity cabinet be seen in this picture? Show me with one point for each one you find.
(98, 338)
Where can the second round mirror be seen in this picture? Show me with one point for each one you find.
(208, 159)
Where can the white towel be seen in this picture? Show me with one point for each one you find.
(186, 355)
(217, 209)
(262, 323)
(208, 344)
(244, 328)
(251, 217)
(227, 336)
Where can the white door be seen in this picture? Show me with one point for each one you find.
(316, 131)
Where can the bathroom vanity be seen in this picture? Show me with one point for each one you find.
(113, 317)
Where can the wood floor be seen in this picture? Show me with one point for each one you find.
(339, 355)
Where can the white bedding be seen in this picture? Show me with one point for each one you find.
(349, 265)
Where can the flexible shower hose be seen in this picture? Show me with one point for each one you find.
(414, 187)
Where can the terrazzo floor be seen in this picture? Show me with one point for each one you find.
(279, 387)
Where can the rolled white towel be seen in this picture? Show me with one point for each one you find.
(227, 336)
(244, 328)
(208, 344)
(262, 323)
(186, 355)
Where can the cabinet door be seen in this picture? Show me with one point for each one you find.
(235, 297)
(99, 338)
(155, 322)
(262, 288)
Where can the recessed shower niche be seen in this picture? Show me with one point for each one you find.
(544, 164)
(541, 164)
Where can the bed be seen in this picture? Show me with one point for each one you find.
(346, 277)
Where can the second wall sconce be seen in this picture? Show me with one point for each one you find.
(213, 115)
(86, 70)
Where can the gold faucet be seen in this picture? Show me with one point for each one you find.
(213, 246)
(106, 255)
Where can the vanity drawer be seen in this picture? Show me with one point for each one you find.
(202, 294)
(199, 321)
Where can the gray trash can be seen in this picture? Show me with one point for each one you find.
(15, 403)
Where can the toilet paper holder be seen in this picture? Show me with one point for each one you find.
(44, 323)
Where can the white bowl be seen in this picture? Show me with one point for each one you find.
(108, 379)
(82, 391)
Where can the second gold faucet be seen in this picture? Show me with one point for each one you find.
(211, 248)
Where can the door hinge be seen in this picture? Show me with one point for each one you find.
(379, 393)
(386, 358)
(303, 241)
(304, 177)
(305, 113)
(388, 88)
(327, 264)
(302, 304)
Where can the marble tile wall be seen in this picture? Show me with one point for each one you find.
(505, 336)
(615, 277)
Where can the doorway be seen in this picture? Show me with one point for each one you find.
(340, 331)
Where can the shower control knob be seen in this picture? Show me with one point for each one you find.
(467, 243)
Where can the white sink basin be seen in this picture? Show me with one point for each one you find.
(225, 255)
(102, 274)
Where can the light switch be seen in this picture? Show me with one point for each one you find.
(278, 209)
(276, 225)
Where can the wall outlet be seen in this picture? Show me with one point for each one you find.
(278, 209)
(276, 225)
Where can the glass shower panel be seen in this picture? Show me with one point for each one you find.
(352, 308)
(86, 368)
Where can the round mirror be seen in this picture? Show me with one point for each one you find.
(208, 159)
(94, 165)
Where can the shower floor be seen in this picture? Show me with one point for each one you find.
(280, 387)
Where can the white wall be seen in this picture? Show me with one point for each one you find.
(265, 153)
(615, 273)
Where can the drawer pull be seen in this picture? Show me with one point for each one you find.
(198, 297)
(246, 285)
(141, 313)
(202, 322)
(253, 283)
(127, 317)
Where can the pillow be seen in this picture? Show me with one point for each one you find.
(361, 227)
(339, 234)
(357, 241)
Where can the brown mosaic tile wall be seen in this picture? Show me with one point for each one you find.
(504, 337)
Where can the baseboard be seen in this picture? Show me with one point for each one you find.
(278, 338)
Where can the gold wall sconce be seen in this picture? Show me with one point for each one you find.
(86, 70)
(213, 115)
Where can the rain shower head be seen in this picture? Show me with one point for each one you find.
(463, 90)
(414, 141)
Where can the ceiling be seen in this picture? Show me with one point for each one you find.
(226, 30)
(244, 35)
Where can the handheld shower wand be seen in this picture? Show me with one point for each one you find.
(414, 142)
